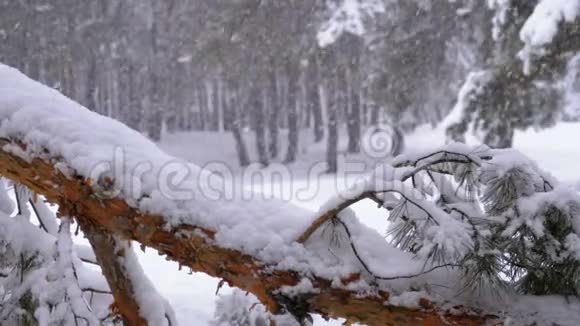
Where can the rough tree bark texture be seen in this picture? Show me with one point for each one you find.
(194, 247)
(105, 247)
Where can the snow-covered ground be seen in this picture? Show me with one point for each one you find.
(556, 150)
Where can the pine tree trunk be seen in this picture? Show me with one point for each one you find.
(155, 125)
(259, 120)
(292, 109)
(354, 114)
(155, 111)
(220, 105)
(236, 124)
(216, 110)
(313, 99)
(92, 84)
(375, 113)
(364, 108)
(134, 116)
(203, 107)
(274, 117)
(227, 115)
(332, 140)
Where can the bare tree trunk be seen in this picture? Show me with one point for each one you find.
(219, 105)
(155, 112)
(91, 91)
(171, 121)
(259, 120)
(203, 110)
(354, 112)
(210, 105)
(274, 117)
(227, 115)
(364, 98)
(216, 110)
(134, 116)
(293, 123)
(305, 109)
(313, 99)
(332, 111)
(375, 113)
(236, 123)
(152, 88)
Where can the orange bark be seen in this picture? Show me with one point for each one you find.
(104, 245)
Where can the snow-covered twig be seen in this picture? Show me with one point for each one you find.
(385, 278)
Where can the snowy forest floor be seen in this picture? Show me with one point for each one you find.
(556, 150)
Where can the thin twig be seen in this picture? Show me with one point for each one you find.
(330, 214)
(384, 278)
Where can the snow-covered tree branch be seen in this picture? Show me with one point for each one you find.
(469, 219)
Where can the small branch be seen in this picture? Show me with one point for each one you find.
(93, 290)
(121, 286)
(429, 215)
(372, 195)
(468, 158)
(430, 165)
(384, 278)
(330, 214)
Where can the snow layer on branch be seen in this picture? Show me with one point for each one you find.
(542, 26)
(90, 145)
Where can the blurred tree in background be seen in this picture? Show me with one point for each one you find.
(276, 68)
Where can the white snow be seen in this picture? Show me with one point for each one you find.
(88, 145)
(45, 119)
(408, 299)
